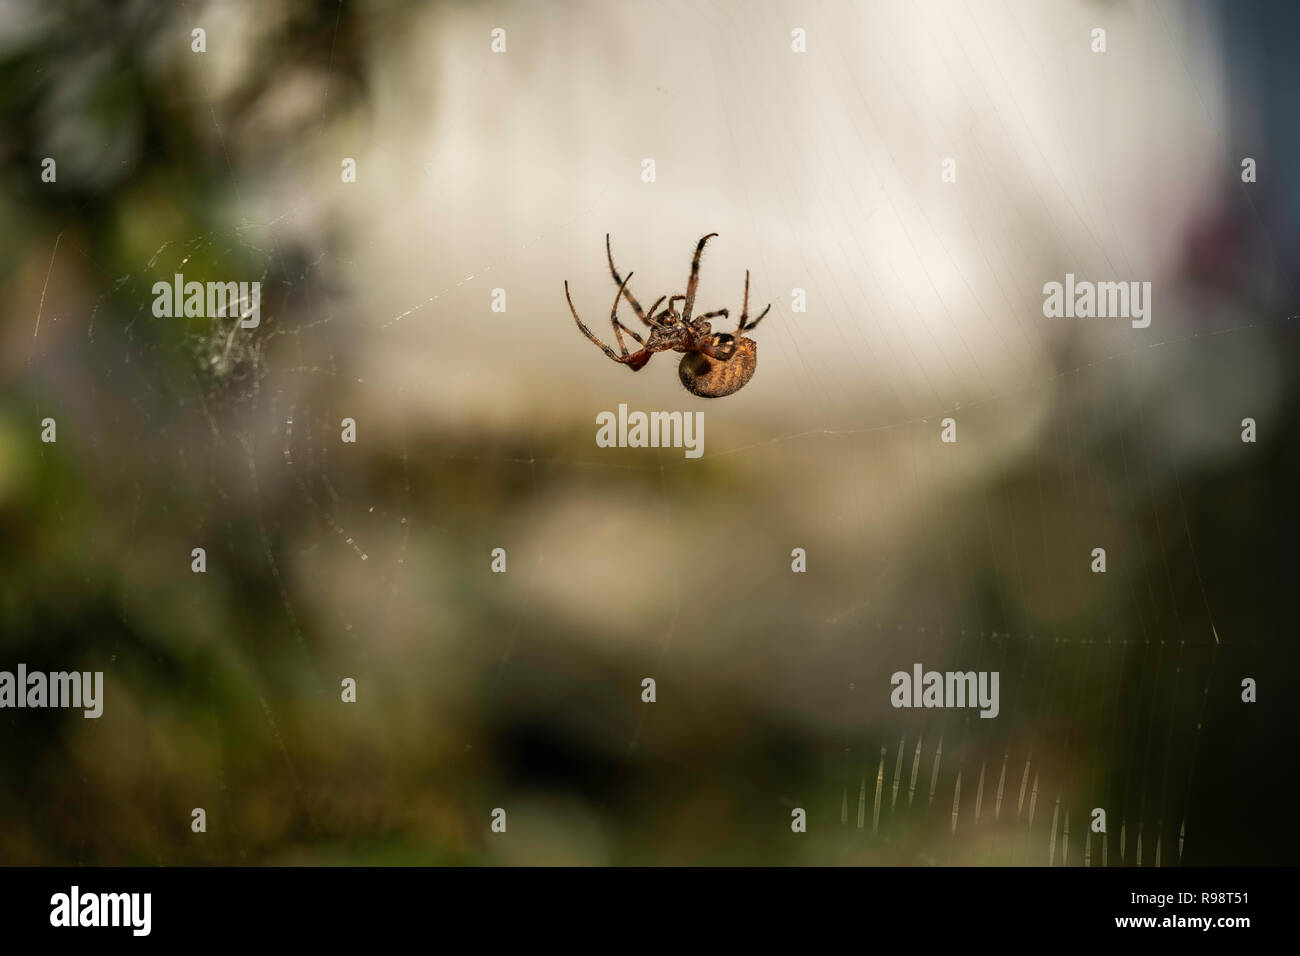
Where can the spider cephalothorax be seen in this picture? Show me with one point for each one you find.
(714, 363)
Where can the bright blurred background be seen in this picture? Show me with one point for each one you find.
(478, 171)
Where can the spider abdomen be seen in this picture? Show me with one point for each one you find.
(711, 378)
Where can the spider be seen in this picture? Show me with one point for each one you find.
(714, 364)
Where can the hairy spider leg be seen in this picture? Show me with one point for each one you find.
(694, 282)
(744, 306)
(669, 309)
(634, 361)
(745, 324)
(655, 306)
(617, 325)
(613, 318)
(631, 299)
(760, 317)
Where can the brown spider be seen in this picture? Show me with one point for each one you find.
(714, 363)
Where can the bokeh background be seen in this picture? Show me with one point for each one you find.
(476, 430)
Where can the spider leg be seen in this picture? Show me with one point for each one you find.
(634, 361)
(745, 324)
(619, 327)
(751, 325)
(708, 315)
(631, 299)
(669, 309)
(694, 281)
(651, 313)
(586, 331)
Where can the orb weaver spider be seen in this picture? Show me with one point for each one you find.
(714, 364)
